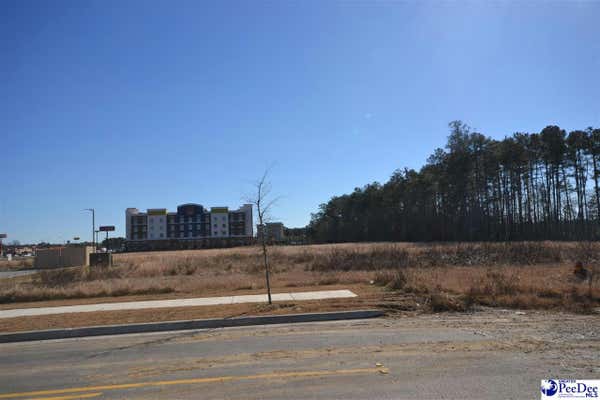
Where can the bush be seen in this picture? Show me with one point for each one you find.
(515, 253)
(440, 302)
(329, 280)
(398, 281)
(60, 277)
(500, 284)
(394, 280)
(388, 257)
(382, 278)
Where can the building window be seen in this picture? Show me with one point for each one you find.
(224, 225)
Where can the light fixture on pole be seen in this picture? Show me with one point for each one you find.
(93, 225)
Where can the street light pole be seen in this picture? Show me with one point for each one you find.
(2, 236)
(93, 226)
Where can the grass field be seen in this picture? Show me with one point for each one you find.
(434, 276)
(16, 264)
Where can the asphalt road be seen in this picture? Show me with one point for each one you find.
(491, 356)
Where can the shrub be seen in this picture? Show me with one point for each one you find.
(388, 257)
(329, 280)
(440, 302)
(382, 278)
(60, 277)
(394, 280)
(501, 284)
(398, 281)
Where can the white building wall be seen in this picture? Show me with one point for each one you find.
(247, 208)
(219, 224)
(157, 227)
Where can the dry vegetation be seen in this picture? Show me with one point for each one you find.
(435, 276)
(16, 264)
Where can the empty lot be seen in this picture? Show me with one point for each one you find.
(398, 277)
(522, 274)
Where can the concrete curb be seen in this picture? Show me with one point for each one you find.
(185, 325)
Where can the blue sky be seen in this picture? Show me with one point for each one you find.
(112, 104)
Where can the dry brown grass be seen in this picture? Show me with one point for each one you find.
(533, 287)
(16, 264)
(445, 276)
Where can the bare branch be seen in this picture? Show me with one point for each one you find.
(263, 206)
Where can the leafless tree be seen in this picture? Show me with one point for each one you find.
(263, 202)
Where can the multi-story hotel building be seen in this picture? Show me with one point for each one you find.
(192, 226)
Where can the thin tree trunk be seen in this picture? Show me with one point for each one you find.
(596, 189)
(266, 261)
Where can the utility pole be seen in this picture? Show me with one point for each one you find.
(93, 226)
(2, 236)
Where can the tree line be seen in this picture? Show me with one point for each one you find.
(528, 186)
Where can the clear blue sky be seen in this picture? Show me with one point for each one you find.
(115, 104)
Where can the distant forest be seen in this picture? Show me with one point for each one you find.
(528, 186)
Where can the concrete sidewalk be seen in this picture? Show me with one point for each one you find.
(13, 274)
(194, 302)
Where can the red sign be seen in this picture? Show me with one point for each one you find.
(108, 228)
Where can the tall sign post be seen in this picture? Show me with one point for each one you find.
(107, 228)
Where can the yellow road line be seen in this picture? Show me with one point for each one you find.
(275, 375)
(77, 396)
